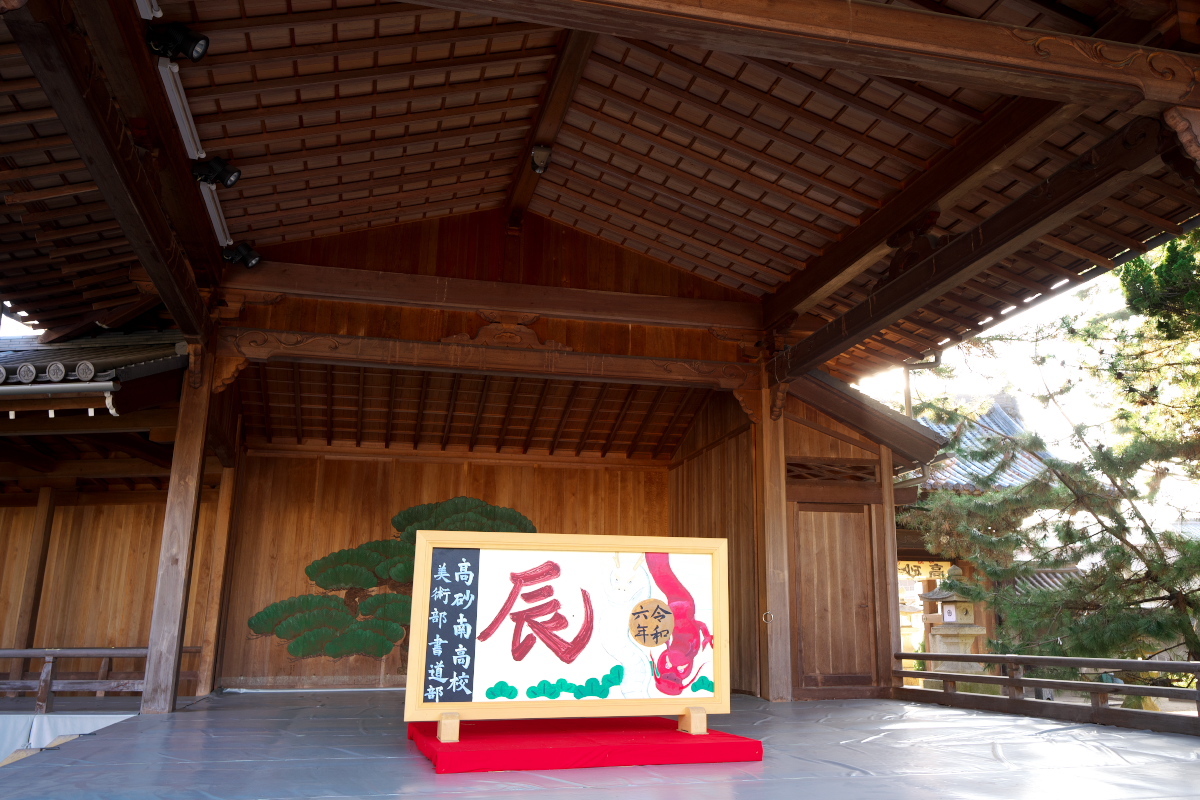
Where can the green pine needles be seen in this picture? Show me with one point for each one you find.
(461, 514)
(1167, 290)
(370, 618)
(1129, 584)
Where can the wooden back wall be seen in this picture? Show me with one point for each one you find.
(294, 509)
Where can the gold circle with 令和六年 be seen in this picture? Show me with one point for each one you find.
(651, 623)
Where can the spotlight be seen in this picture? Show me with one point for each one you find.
(541, 158)
(176, 39)
(216, 170)
(242, 254)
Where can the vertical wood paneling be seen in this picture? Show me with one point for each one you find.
(16, 526)
(804, 441)
(100, 576)
(712, 495)
(294, 510)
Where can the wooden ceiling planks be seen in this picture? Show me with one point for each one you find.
(407, 410)
(341, 118)
(738, 169)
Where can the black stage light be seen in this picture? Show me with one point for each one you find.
(242, 254)
(176, 39)
(216, 170)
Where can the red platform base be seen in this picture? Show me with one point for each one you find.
(539, 744)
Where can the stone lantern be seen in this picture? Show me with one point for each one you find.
(954, 630)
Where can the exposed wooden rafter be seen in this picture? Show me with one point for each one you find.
(568, 69)
(989, 148)
(63, 63)
(885, 39)
(1081, 184)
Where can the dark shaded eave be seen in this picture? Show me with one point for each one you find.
(908, 439)
(124, 357)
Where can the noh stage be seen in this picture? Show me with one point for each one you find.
(355, 744)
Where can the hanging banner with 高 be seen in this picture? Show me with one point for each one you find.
(542, 625)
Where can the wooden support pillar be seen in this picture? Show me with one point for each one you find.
(770, 479)
(178, 541)
(887, 580)
(216, 585)
(32, 579)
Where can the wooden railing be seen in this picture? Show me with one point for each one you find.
(49, 681)
(1015, 682)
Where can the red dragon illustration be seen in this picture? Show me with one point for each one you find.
(690, 635)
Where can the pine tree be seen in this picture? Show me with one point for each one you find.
(376, 577)
(1138, 590)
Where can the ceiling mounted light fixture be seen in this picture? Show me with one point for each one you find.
(176, 39)
(541, 158)
(242, 254)
(216, 170)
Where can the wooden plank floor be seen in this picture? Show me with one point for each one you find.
(353, 744)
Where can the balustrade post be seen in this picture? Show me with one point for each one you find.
(45, 691)
(1015, 690)
(102, 675)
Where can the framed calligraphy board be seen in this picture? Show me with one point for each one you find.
(526, 625)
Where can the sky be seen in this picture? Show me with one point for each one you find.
(1012, 370)
(10, 327)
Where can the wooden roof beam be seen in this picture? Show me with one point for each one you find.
(117, 34)
(133, 444)
(429, 291)
(26, 457)
(887, 40)
(358, 351)
(573, 56)
(1093, 176)
(987, 149)
(72, 81)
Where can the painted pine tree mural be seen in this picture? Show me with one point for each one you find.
(368, 589)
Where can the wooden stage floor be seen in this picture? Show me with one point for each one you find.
(353, 744)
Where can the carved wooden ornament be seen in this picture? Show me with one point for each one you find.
(1186, 124)
(507, 329)
(225, 372)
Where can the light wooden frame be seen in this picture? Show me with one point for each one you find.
(415, 706)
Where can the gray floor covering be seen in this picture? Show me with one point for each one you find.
(353, 744)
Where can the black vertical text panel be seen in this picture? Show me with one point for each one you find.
(453, 607)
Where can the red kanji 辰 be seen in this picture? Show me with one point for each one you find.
(544, 619)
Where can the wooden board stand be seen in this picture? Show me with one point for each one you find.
(694, 720)
(447, 730)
